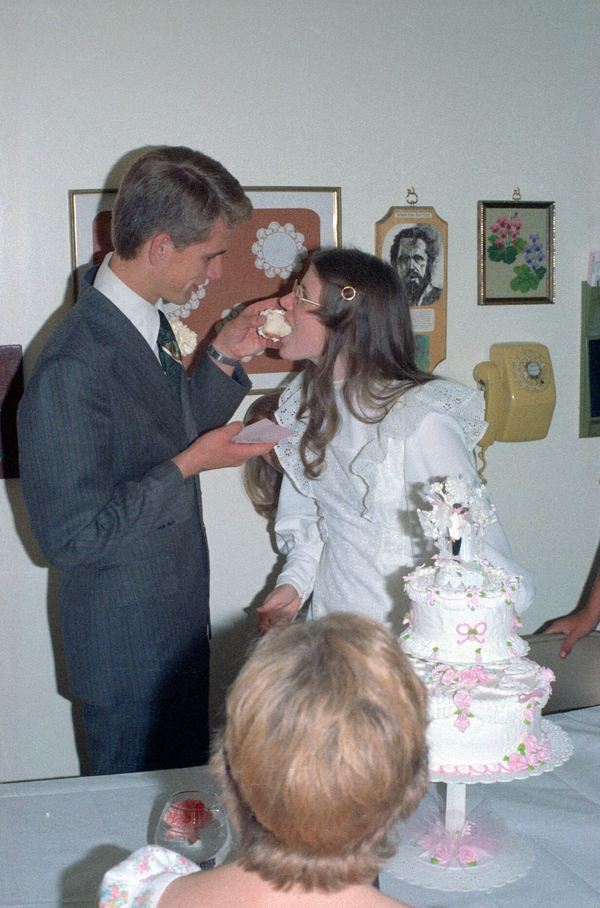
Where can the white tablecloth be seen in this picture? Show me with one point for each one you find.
(58, 837)
(558, 816)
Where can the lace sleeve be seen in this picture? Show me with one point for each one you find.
(448, 398)
(299, 538)
(288, 449)
(142, 878)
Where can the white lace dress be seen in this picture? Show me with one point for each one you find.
(351, 535)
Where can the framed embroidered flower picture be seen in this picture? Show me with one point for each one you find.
(516, 252)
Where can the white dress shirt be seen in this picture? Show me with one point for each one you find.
(142, 314)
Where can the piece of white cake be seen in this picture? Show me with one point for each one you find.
(275, 326)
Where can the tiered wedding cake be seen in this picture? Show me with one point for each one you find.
(485, 698)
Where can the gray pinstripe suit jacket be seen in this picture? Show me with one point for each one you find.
(98, 426)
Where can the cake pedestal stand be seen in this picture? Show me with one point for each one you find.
(447, 851)
(456, 807)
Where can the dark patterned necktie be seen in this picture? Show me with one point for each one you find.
(169, 353)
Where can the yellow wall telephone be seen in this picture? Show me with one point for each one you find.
(519, 392)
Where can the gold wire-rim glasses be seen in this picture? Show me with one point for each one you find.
(298, 298)
(347, 293)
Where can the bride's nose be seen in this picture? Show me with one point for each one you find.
(286, 302)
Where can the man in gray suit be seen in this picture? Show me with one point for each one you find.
(112, 438)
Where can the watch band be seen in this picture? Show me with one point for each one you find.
(220, 357)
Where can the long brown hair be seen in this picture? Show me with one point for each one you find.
(372, 332)
(262, 481)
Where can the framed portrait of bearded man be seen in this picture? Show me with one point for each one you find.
(415, 242)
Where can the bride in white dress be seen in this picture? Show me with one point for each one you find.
(371, 433)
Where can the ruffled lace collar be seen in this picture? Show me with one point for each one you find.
(465, 405)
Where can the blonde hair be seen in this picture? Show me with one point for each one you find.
(262, 481)
(323, 750)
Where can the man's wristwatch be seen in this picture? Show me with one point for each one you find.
(220, 357)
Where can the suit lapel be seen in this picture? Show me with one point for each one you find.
(133, 364)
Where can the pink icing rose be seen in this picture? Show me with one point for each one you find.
(470, 677)
(462, 699)
(536, 753)
(468, 855)
(474, 595)
(432, 837)
(533, 758)
(449, 676)
(441, 854)
(528, 716)
(516, 762)
(548, 675)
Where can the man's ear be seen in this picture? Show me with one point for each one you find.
(158, 247)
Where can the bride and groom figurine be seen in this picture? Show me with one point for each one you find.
(462, 533)
(460, 510)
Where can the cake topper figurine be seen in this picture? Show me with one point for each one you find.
(459, 513)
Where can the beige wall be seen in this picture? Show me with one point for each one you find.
(462, 99)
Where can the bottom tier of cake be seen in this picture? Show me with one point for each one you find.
(486, 719)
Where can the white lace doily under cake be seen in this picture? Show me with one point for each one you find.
(510, 863)
(460, 852)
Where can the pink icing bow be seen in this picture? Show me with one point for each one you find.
(469, 632)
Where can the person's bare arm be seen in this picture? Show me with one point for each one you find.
(279, 608)
(579, 625)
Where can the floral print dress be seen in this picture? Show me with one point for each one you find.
(140, 880)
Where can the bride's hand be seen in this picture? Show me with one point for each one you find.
(279, 608)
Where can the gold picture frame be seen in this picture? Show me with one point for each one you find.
(516, 252)
(415, 242)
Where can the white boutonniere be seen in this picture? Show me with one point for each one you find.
(187, 340)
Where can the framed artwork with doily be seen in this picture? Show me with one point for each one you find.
(267, 254)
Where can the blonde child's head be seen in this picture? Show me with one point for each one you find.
(323, 750)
